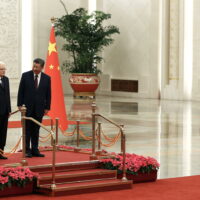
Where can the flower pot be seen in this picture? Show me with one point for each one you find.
(16, 190)
(84, 84)
(141, 177)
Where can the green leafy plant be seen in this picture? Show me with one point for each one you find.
(85, 37)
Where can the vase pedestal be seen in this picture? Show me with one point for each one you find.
(84, 94)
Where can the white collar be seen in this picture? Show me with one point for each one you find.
(37, 74)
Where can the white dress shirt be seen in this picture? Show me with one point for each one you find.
(1, 80)
(39, 77)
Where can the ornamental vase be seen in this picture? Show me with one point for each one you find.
(84, 84)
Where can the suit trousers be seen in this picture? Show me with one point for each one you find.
(3, 130)
(32, 134)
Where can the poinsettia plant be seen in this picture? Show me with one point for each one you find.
(134, 163)
(18, 176)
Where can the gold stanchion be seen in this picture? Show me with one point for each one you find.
(122, 143)
(55, 141)
(124, 156)
(78, 136)
(51, 130)
(99, 138)
(57, 122)
(53, 185)
(93, 156)
(23, 120)
(99, 135)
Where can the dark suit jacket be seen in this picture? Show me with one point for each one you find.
(5, 107)
(35, 100)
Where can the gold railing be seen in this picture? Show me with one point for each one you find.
(12, 113)
(24, 162)
(14, 149)
(97, 135)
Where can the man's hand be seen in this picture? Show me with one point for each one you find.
(20, 108)
(46, 112)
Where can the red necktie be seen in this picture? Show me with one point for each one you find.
(36, 81)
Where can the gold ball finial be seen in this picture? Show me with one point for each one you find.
(53, 19)
(93, 107)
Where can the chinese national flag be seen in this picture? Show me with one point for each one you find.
(52, 68)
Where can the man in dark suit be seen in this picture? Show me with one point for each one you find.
(5, 108)
(35, 93)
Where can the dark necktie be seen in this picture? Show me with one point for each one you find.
(2, 85)
(36, 81)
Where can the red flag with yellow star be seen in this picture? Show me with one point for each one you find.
(52, 68)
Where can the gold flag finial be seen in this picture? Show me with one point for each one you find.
(53, 19)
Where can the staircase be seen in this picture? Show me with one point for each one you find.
(76, 178)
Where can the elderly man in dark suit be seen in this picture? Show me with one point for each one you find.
(35, 93)
(5, 108)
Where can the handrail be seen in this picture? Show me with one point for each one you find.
(121, 130)
(53, 136)
(24, 118)
(41, 125)
(123, 138)
(108, 120)
(12, 113)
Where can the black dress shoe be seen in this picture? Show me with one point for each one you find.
(38, 155)
(29, 155)
(3, 157)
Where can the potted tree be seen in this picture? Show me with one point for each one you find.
(85, 37)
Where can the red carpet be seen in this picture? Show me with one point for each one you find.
(185, 188)
(46, 122)
(61, 156)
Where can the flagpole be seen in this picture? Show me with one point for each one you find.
(53, 184)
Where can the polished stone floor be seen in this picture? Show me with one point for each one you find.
(166, 130)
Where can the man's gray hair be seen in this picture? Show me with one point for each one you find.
(2, 64)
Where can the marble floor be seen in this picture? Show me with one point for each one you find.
(166, 130)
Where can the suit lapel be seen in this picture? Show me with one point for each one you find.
(41, 80)
(32, 79)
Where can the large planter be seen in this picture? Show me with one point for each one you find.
(84, 84)
(15, 190)
(141, 177)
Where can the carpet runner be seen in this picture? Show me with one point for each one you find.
(75, 174)
(184, 188)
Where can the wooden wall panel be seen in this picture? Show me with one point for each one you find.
(124, 85)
